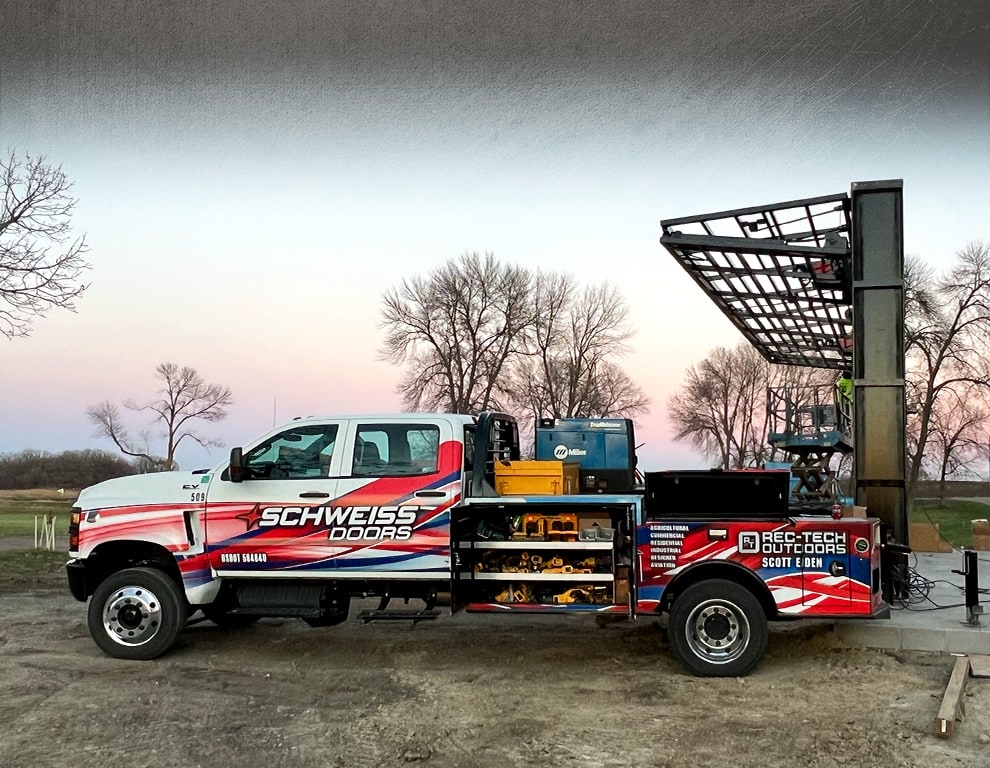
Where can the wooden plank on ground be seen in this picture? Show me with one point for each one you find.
(952, 700)
(979, 665)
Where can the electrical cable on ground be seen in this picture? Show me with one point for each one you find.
(914, 589)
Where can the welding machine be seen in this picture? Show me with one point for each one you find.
(604, 448)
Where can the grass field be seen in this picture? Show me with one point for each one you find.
(36, 566)
(954, 518)
(18, 510)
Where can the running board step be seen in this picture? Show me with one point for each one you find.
(399, 615)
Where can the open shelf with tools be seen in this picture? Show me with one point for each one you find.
(542, 555)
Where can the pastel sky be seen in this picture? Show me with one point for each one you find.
(253, 175)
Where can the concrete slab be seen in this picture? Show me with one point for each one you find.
(933, 616)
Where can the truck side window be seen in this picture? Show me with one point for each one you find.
(469, 438)
(298, 453)
(389, 450)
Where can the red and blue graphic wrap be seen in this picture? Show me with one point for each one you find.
(811, 567)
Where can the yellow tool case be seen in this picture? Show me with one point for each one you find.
(562, 527)
(536, 478)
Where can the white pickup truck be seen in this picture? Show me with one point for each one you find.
(404, 506)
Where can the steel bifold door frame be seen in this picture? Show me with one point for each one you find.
(781, 274)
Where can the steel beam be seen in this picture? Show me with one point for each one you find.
(878, 351)
(750, 245)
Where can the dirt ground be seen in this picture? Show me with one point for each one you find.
(466, 690)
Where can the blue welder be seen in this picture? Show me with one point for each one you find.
(604, 448)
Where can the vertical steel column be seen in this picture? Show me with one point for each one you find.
(878, 351)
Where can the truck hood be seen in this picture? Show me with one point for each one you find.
(152, 488)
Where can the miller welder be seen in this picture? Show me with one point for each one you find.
(605, 449)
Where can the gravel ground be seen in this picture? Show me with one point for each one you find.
(466, 690)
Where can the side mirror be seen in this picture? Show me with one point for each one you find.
(236, 465)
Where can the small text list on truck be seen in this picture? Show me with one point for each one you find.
(416, 506)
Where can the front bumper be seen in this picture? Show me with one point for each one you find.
(75, 570)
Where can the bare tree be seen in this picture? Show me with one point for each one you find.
(40, 265)
(476, 334)
(722, 408)
(612, 392)
(569, 369)
(947, 343)
(716, 408)
(184, 398)
(455, 330)
(956, 434)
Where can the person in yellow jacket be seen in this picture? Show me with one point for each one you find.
(844, 388)
(844, 401)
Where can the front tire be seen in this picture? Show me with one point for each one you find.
(717, 628)
(136, 614)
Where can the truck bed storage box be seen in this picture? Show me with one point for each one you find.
(536, 478)
(716, 493)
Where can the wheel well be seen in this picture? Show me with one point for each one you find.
(721, 570)
(115, 556)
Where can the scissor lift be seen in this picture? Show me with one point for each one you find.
(814, 427)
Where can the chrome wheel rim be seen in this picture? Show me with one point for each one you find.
(132, 615)
(717, 631)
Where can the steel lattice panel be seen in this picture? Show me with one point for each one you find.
(781, 273)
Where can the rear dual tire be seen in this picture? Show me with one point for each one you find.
(717, 628)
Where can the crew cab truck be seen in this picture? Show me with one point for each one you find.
(323, 510)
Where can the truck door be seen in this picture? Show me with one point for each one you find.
(398, 483)
(275, 521)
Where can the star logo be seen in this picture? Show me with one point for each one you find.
(251, 518)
